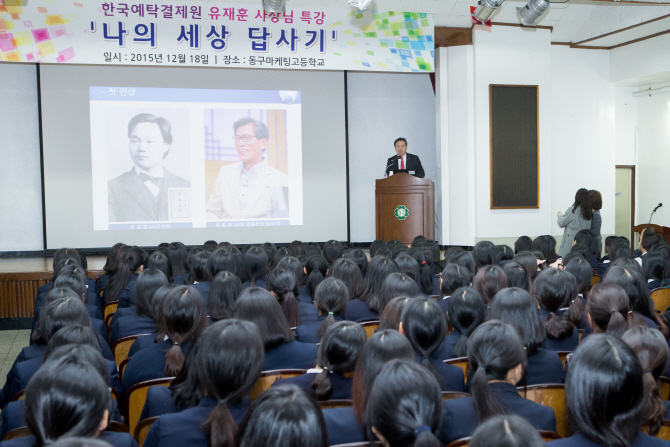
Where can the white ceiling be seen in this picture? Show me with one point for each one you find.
(575, 21)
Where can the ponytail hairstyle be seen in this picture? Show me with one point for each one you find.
(637, 290)
(316, 268)
(488, 281)
(390, 318)
(409, 266)
(221, 260)
(507, 430)
(133, 258)
(395, 285)
(424, 324)
(359, 258)
(255, 263)
(604, 391)
(197, 266)
(228, 369)
(405, 406)
(517, 275)
(185, 389)
(609, 309)
(159, 260)
(575, 305)
(425, 259)
(73, 278)
(61, 308)
(494, 349)
(284, 285)
(466, 312)
(149, 281)
(378, 270)
(553, 290)
(260, 307)
(518, 308)
(331, 298)
(381, 347)
(583, 273)
(287, 415)
(294, 265)
(182, 318)
(348, 272)
(652, 351)
(223, 293)
(338, 353)
(177, 253)
(332, 251)
(454, 277)
(112, 262)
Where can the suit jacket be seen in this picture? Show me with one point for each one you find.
(130, 200)
(131, 325)
(412, 164)
(579, 440)
(290, 355)
(306, 333)
(451, 377)
(265, 201)
(159, 402)
(342, 386)
(573, 224)
(113, 438)
(544, 367)
(149, 363)
(342, 426)
(358, 310)
(460, 420)
(184, 428)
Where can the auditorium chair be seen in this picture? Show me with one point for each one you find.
(335, 403)
(370, 327)
(550, 395)
(661, 298)
(663, 433)
(359, 444)
(108, 311)
(546, 436)
(135, 398)
(461, 362)
(122, 368)
(20, 395)
(142, 429)
(20, 432)
(665, 388)
(564, 356)
(595, 280)
(448, 395)
(121, 348)
(267, 378)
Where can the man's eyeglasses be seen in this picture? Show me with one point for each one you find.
(245, 138)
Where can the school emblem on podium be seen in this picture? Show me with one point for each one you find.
(401, 212)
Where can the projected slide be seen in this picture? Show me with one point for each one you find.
(166, 158)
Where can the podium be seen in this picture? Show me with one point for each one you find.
(404, 208)
(663, 232)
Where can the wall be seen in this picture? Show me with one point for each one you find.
(642, 59)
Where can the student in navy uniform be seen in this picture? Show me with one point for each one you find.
(608, 310)
(424, 324)
(223, 292)
(488, 281)
(553, 290)
(453, 277)
(316, 268)
(297, 267)
(338, 352)
(67, 398)
(466, 312)
(346, 424)
(497, 361)
(427, 282)
(518, 308)
(255, 266)
(390, 318)
(177, 253)
(282, 351)
(74, 277)
(366, 307)
(585, 238)
(142, 322)
(506, 431)
(182, 317)
(130, 266)
(583, 274)
(652, 268)
(283, 285)
(395, 285)
(227, 369)
(198, 276)
(348, 272)
(144, 341)
(62, 257)
(286, 415)
(620, 248)
(332, 251)
(638, 294)
(221, 259)
(111, 264)
(604, 393)
(359, 258)
(517, 275)
(331, 299)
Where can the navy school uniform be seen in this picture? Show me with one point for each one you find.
(185, 428)
(259, 283)
(602, 268)
(203, 288)
(93, 313)
(123, 312)
(127, 296)
(342, 386)
(445, 350)
(579, 440)
(101, 283)
(159, 402)
(435, 288)
(451, 377)
(27, 353)
(304, 296)
(342, 426)
(149, 363)
(179, 280)
(307, 312)
(113, 438)
(544, 366)
(459, 419)
(307, 332)
(131, 325)
(358, 310)
(289, 355)
(100, 329)
(653, 284)
(141, 342)
(444, 303)
(569, 343)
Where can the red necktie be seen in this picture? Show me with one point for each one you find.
(402, 163)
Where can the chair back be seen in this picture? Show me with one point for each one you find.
(21, 395)
(122, 368)
(109, 310)
(595, 280)
(135, 398)
(142, 429)
(117, 427)
(551, 395)
(463, 442)
(663, 433)
(121, 348)
(563, 355)
(461, 362)
(448, 395)
(665, 388)
(267, 378)
(581, 331)
(370, 327)
(661, 298)
(548, 436)
(20, 432)
(335, 403)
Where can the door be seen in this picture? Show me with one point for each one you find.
(624, 203)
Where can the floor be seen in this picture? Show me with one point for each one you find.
(11, 343)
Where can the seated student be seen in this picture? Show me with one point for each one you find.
(283, 285)
(529, 261)
(648, 237)
(13, 415)
(585, 238)
(376, 245)
(506, 431)
(488, 281)
(583, 274)
(286, 415)
(142, 320)
(651, 349)
(483, 253)
(131, 265)
(178, 253)
(198, 276)
(62, 257)
(111, 264)
(366, 307)
(221, 260)
(404, 407)
(466, 312)
(605, 369)
(390, 318)
(620, 248)
(282, 351)
(384, 252)
(345, 424)
(395, 285)
(294, 265)
(635, 286)
(523, 243)
(504, 254)
(332, 251)
(547, 245)
(608, 244)
(226, 287)
(424, 324)
(338, 352)
(554, 290)
(347, 271)
(518, 308)
(608, 310)
(228, 367)
(497, 361)
(255, 267)
(453, 277)
(181, 318)
(66, 398)
(409, 266)
(428, 283)
(652, 268)
(359, 258)
(517, 275)
(331, 298)
(143, 341)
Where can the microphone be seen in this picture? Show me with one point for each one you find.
(658, 206)
(654, 210)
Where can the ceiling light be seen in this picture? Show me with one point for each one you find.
(274, 5)
(486, 9)
(529, 14)
(360, 4)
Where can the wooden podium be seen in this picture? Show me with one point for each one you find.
(663, 232)
(404, 208)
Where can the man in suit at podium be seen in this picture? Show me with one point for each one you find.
(404, 161)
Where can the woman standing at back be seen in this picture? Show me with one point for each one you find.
(578, 217)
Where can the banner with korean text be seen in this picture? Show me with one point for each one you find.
(211, 34)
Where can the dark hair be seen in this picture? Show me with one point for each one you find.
(390, 318)
(162, 123)
(466, 311)
(580, 249)
(408, 265)
(223, 292)
(259, 306)
(384, 252)
(270, 249)
(177, 253)
(332, 251)
(585, 238)
(74, 278)
(411, 414)
(507, 430)
(553, 290)
(316, 267)
(399, 139)
(89, 352)
(483, 253)
(284, 285)
(494, 349)
(608, 242)
(348, 272)
(331, 298)
(196, 262)
(503, 253)
(620, 248)
(255, 264)
(297, 248)
(464, 259)
(583, 202)
(280, 254)
(604, 391)
(381, 347)
(228, 370)
(65, 397)
(63, 254)
(61, 308)
(424, 324)
(528, 261)
(186, 389)
(146, 285)
(648, 237)
(112, 262)
(426, 265)
(293, 264)
(260, 129)
(312, 248)
(74, 334)
(652, 265)
(518, 308)
(376, 245)
(651, 349)
(523, 243)
(517, 275)
(133, 258)
(378, 270)
(159, 260)
(636, 288)
(454, 277)
(547, 245)
(157, 301)
(360, 258)
(608, 307)
(80, 442)
(489, 281)
(583, 273)
(338, 353)
(182, 317)
(395, 285)
(283, 415)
